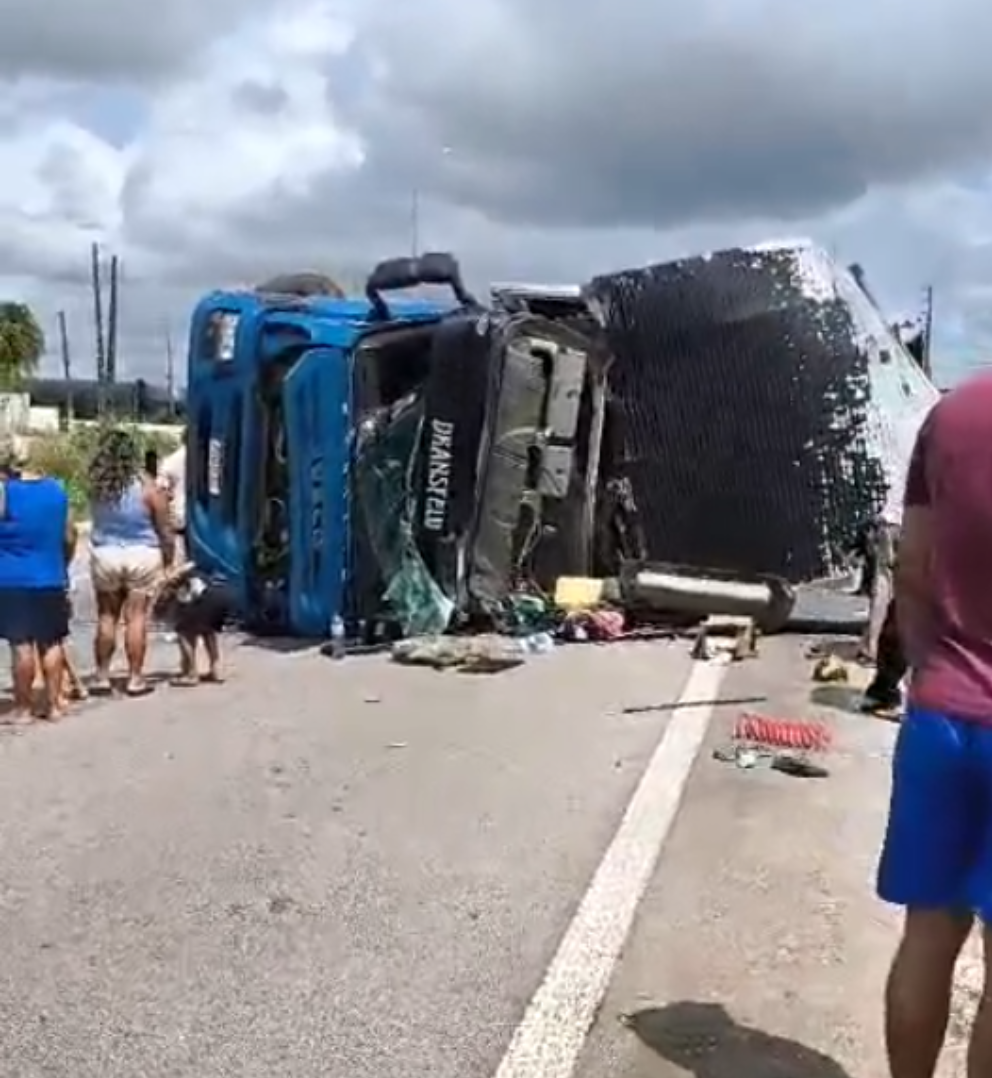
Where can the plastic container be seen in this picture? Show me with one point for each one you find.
(339, 643)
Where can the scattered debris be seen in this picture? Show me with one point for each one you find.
(488, 654)
(830, 670)
(746, 758)
(798, 767)
(783, 733)
(741, 633)
(575, 594)
(678, 705)
(597, 626)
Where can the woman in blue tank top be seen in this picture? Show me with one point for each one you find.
(132, 542)
(37, 541)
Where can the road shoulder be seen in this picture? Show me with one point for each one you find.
(759, 948)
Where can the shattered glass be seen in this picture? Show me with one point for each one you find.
(384, 471)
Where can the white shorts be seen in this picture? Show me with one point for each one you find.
(126, 570)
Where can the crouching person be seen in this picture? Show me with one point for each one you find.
(197, 608)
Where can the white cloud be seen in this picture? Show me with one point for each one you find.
(546, 141)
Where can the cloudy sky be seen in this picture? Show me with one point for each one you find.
(547, 140)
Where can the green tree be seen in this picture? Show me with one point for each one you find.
(21, 344)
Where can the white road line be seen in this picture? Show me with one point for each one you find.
(550, 1037)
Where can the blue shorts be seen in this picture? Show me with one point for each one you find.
(938, 844)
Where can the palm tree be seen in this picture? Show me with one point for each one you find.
(21, 344)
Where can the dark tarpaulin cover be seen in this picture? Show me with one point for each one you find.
(768, 408)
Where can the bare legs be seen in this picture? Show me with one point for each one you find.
(25, 662)
(136, 610)
(187, 660)
(918, 995)
(211, 644)
(188, 672)
(22, 671)
(980, 1048)
(110, 607)
(53, 674)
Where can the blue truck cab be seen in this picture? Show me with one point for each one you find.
(356, 458)
(272, 387)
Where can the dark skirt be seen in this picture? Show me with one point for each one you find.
(207, 613)
(34, 616)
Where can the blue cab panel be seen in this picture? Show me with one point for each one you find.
(317, 422)
(269, 443)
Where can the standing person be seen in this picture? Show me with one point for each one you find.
(37, 543)
(132, 542)
(198, 608)
(883, 697)
(937, 858)
(172, 477)
(881, 540)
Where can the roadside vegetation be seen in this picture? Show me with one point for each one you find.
(66, 455)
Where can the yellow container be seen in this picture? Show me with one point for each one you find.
(578, 592)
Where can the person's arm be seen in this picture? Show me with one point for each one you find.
(70, 541)
(158, 506)
(913, 577)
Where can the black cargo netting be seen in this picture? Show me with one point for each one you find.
(747, 436)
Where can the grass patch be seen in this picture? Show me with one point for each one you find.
(66, 455)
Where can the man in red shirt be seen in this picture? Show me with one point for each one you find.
(937, 858)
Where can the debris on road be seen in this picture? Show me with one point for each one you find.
(673, 705)
(741, 632)
(830, 670)
(486, 654)
(746, 758)
(783, 733)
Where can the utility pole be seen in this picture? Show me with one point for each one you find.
(415, 223)
(113, 314)
(170, 373)
(101, 352)
(928, 332)
(66, 368)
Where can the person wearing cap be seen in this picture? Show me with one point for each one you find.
(37, 540)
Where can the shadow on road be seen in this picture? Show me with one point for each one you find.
(704, 1040)
(838, 697)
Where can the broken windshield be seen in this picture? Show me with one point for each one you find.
(385, 462)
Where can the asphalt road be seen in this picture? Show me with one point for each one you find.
(355, 869)
(335, 869)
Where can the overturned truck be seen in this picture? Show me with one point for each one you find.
(763, 408)
(414, 462)
(383, 459)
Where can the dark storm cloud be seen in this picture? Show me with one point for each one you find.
(656, 114)
(110, 40)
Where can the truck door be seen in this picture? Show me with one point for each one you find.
(215, 468)
(316, 406)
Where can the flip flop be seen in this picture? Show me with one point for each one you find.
(184, 681)
(102, 688)
(141, 689)
(16, 720)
